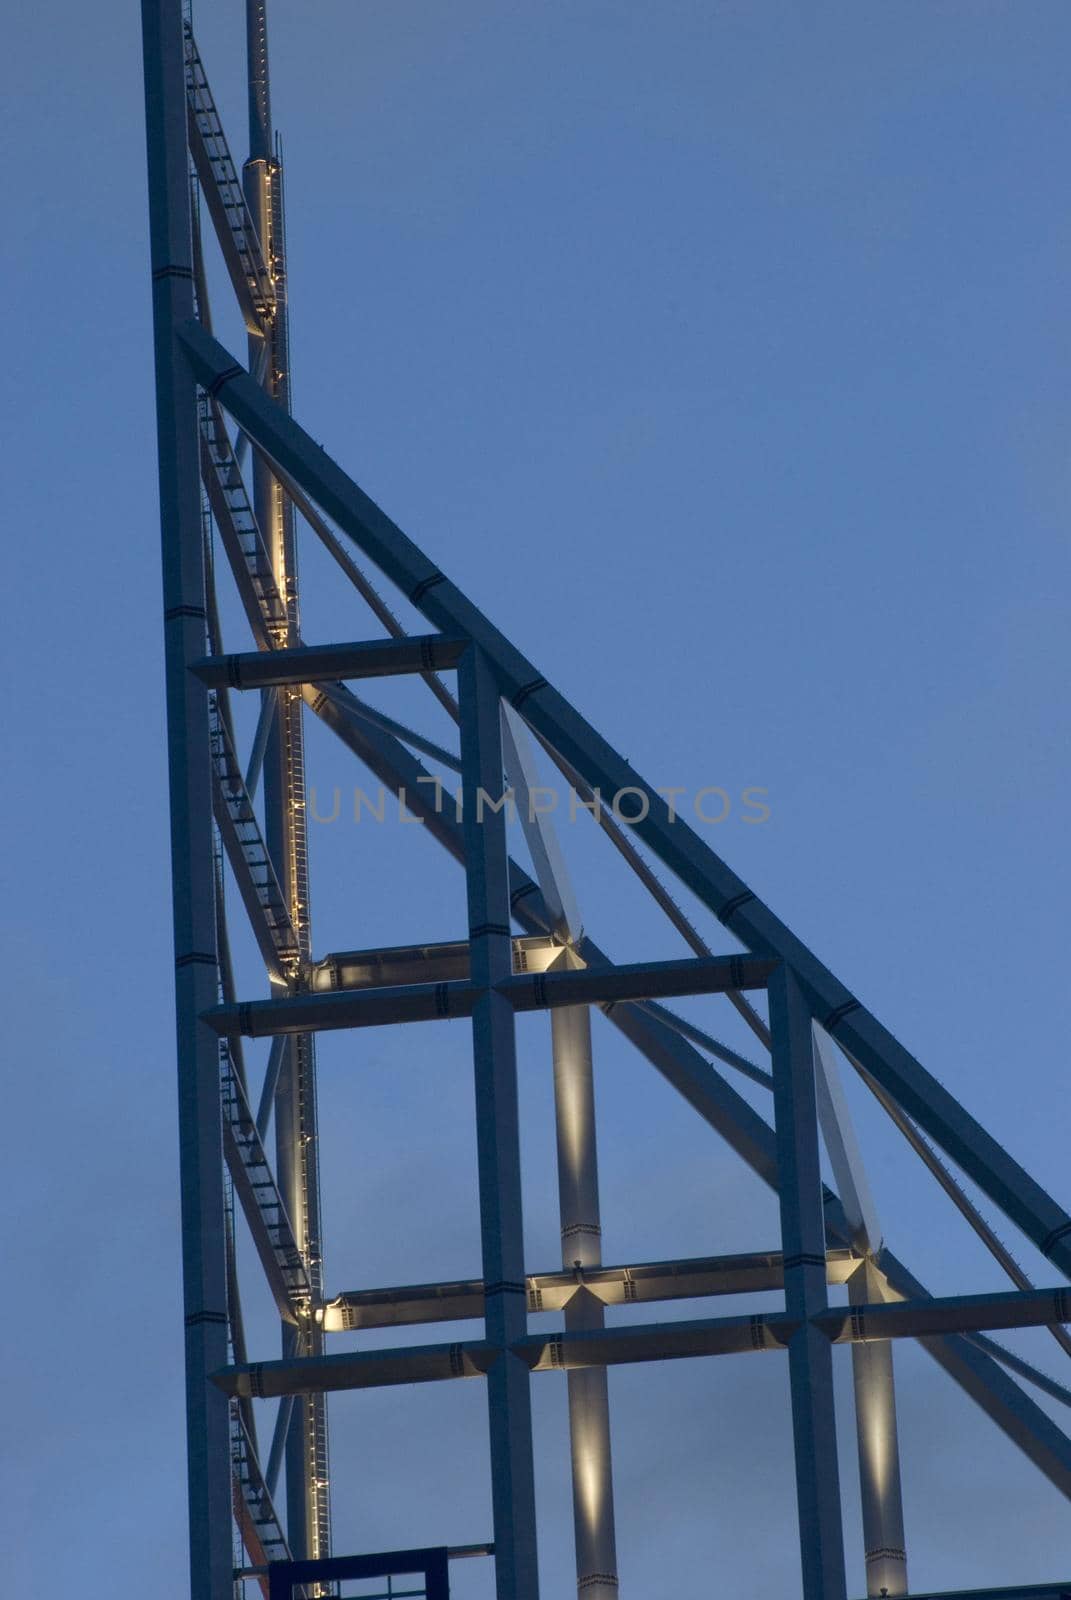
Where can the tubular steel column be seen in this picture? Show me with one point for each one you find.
(879, 1455)
(196, 970)
(578, 1194)
(872, 1361)
(296, 1135)
(803, 1243)
(497, 1132)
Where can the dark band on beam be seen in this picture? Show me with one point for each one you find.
(1055, 1236)
(197, 1318)
(417, 594)
(224, 378)
(838, 1014)
(171, 272)
(528, 689)
(192, 956)
(731, 907)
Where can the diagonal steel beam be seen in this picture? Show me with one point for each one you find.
(369, 594)
(719, 888)
(987, 1383)
(539, 832)
(707, 1042)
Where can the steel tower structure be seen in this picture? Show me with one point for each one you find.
(235, 471)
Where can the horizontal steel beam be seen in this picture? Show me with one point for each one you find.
(312, 663)
(367, 1008)
(965, 1313)
(665, 1341)
(641, 980)
(599, 1347)
(659, 1341)
(418, 963)
(1031, 1591)
(430, 1002)
(755, 1273)
(371, 1369)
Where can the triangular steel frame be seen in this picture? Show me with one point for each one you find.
(552, 964)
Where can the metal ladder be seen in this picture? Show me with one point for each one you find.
(238, 528)
(226, 201)
(242, 820)
(254, 1179)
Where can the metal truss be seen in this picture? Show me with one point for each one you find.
(235, 464)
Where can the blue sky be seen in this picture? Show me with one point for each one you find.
(720, 352)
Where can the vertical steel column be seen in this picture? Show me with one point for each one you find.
(872, 1363)
(578, 1196)
(803, 1242)
(879, 1455)
(296, 1134)
(204, 1255)
(497, 1132)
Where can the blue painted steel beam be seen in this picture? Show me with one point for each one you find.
(192, 859)
(498, 1145)
(638, 980)
(803, 1232)
(427, 1002)
(312, 663)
